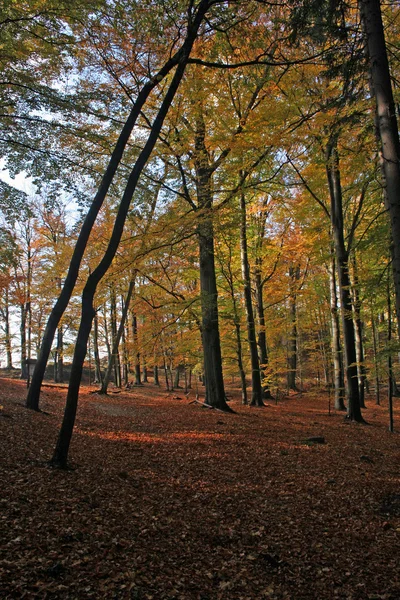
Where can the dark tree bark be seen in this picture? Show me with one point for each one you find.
(342, 264)
(257, 392)
(32, 401)
(338, 376)
(215, 392)
(155, 375)
(60, 455)
(387, 125)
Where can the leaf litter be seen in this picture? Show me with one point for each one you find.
(167, 500)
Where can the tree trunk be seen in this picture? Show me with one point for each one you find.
(7, 330)
(58, 362)
(262, 337)
(125, 358)
(177, 377)
(294, 275)
(257, 393)
(144, 372)
(115, 360)
(215, 392)
(98, 377)
(342, 264)
(155, 375)
(338, 376)
(60, 455)
(389, 360)
(23, 353)
(358, 329)
(375, 342)
(117, 338)
(57, 312)
(138, 380)
(387, 124)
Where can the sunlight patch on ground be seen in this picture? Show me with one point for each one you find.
(125, 436)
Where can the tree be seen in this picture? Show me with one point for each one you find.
(371, 17)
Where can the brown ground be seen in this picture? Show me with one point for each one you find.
(169, 500)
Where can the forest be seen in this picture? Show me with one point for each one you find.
(208, 224)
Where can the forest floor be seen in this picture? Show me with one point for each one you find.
(170, 500)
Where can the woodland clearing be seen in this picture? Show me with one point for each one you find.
(168, 500)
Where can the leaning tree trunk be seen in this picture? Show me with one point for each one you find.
(342, 263)
(257, 393)
(387, 124)
(60, 455)
(57, 312)
(338, 376)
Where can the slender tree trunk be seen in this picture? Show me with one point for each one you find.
(257, 393)
(338, 376)
(239, 351)
(387, 124)
(115, 347)
(138, 379)
(125, 361)
(358, 330)
(117, 338)
(375, 342)
(294, 275)
(7, 331)
(23, 353)
(144, 371)
(60, 455)
(342, 263)
(166, 375)
(98, 377)
(262, 336)
(389, 359)
(32, 401)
